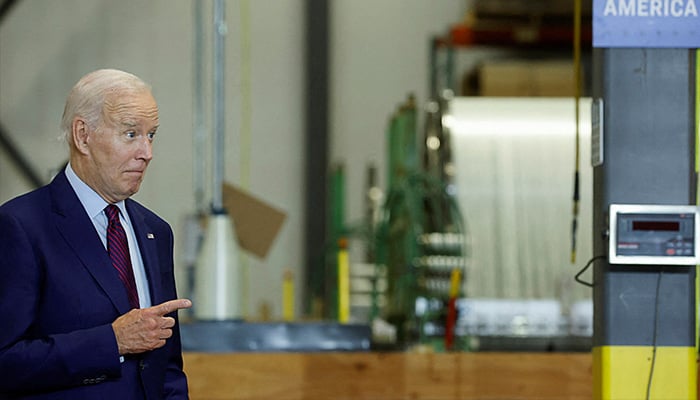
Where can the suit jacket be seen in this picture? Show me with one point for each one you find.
(59, 295)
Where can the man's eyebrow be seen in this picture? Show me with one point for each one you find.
(132, 123)
(128, 123)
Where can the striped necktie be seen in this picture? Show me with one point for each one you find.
(118, 249)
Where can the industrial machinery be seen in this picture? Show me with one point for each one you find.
(421, 236)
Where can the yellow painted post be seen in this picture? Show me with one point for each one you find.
(288, 296)
(343, 282)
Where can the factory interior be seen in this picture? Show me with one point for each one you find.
(401, 199)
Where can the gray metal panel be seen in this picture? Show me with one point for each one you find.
(649, 147)
(649, 127)
(239, 336)
(630, 307)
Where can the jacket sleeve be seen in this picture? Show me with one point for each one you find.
(29, 361)
(175, 387)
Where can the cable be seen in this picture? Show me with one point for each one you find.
(655, 336)
(588, 264)
(577, 99)
(656, 318)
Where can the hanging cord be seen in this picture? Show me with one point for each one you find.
(654, 335)
(577, 277)
(577, 97)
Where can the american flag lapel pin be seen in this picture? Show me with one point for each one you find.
(150, 236)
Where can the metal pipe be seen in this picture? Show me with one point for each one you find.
(316, 143)
(219, 117)
(5, 8)
(199, 137)
(20, 161)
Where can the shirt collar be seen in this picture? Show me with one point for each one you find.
(91, 201)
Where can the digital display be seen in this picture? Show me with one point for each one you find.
(654, 234)
(667, 226)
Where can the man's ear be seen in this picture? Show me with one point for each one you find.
(79, 134)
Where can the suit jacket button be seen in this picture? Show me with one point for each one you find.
(142, 365)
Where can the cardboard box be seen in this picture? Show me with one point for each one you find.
(527, 78)
(256, 223)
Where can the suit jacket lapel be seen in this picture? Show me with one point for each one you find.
(149, 250)
(75, 226)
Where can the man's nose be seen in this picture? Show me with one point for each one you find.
(146, 149)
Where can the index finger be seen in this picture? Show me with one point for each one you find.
(171, 305)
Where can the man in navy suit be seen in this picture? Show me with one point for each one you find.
(68, 327)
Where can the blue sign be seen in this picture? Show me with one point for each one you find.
(646, 23)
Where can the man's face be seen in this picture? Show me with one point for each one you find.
(120, 149)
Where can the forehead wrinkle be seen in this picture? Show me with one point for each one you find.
(127, 112)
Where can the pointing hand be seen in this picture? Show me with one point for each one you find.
(146, 329)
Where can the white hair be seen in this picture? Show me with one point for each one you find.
(87, 98)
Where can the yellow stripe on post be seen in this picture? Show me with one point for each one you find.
(288, 296)
(455, 278)
(625, 372)
(343, 282)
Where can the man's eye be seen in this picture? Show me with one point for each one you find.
(151, 135)
(131, 134)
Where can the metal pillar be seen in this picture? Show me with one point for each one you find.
(317, 31)
(199, 136)
(218, 281)
(644, 316)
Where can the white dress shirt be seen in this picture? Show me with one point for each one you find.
(94, 205)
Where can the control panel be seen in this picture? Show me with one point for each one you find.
(653, 234)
